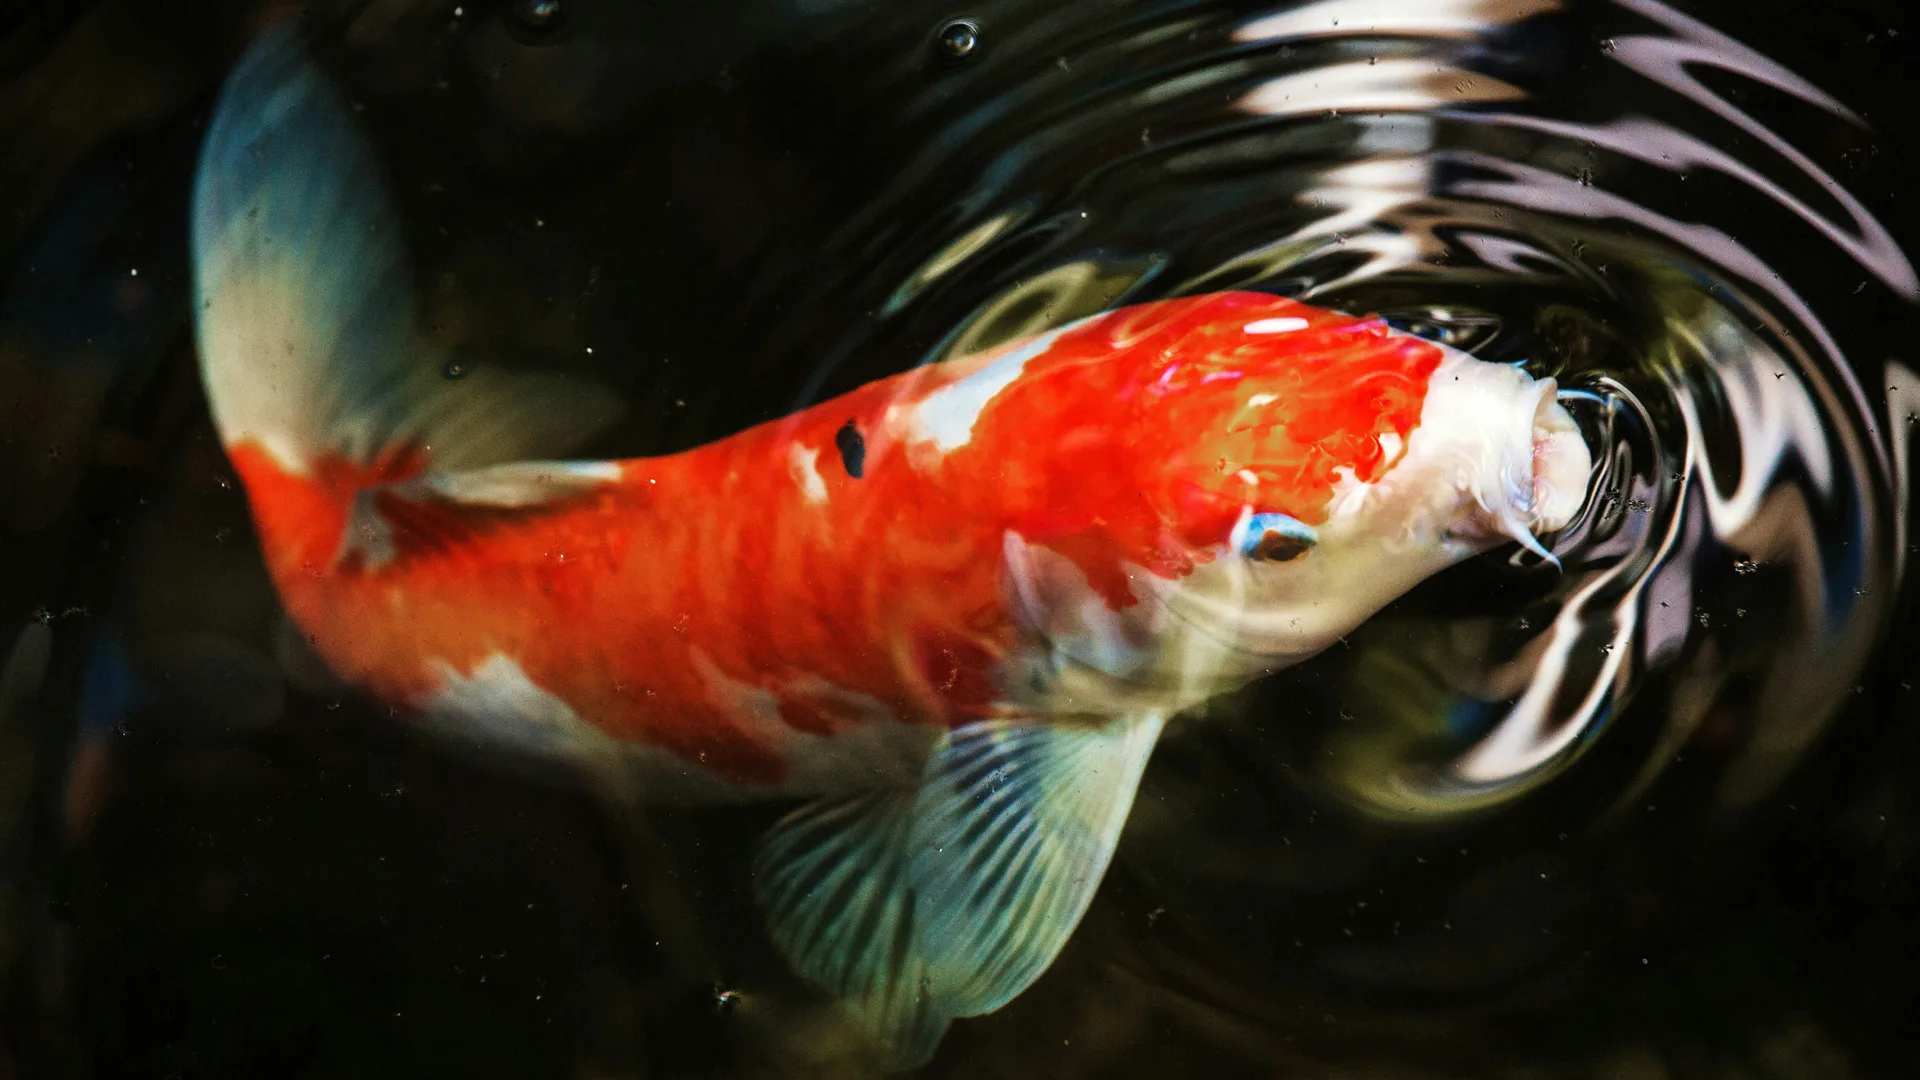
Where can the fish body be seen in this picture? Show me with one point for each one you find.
(956, 606)
(990, 549)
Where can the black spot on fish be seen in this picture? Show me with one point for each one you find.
(853, 449)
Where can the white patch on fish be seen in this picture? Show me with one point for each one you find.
(803, 461)
(500, 703)
(1349, 495)
(498, 707)
(1082, 654)
(946, 417)
(518, 484)
(1390, 446)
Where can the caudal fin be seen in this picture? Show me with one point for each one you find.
(309, 344)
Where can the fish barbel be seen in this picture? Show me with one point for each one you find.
(953, 608)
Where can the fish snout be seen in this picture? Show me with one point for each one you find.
(1518, 459)
(1538, 479)
(1560, 463)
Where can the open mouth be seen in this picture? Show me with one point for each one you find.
(1561, 464)
(1541, 482)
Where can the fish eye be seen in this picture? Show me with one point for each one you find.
(1276, 546)
(1273, 537)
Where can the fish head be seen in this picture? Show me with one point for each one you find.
(1454, 457)
(1259, 477)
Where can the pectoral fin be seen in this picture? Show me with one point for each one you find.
(832, 878)
(919, 907)
(1012, 832)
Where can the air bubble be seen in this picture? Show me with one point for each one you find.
(537, 22)
(959, 38)
(539, 14)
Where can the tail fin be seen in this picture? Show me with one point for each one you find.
(308, 339)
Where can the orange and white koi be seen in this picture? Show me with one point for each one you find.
(955, 607)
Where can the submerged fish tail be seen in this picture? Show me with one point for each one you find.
(317, 377)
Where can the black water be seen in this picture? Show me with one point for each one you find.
(1647, 815)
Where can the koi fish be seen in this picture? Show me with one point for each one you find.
(954, 608)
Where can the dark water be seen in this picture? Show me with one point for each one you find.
(1650, 815)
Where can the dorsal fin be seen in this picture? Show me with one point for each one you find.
(309, 345)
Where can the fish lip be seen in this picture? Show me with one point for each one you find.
(1539, 482)
(1561, 464)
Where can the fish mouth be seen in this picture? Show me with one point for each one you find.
(1561, 463)
(1546, 480)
